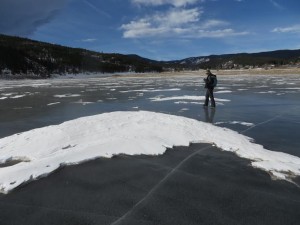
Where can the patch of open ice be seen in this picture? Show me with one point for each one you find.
(140, 132)
(26, 107)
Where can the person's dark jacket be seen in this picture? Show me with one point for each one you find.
(209, 81)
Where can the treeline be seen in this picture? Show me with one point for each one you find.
(243, 60)
(28, 58)
(21, 57)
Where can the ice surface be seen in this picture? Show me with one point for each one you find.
(141, 132)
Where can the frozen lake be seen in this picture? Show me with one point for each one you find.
(265, 108)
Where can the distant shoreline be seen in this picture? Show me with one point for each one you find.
(227, 72)
(260, 71)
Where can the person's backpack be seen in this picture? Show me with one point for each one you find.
(214, 81)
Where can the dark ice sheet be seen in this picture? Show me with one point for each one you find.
(207, 186)
(195, 185)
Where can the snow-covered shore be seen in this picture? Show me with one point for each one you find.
(43, 150)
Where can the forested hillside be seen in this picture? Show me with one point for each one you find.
(20, 57)
(25, 58)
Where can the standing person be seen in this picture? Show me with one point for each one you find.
(210, 83)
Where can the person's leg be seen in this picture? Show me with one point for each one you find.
(206, 97)
(212, 99)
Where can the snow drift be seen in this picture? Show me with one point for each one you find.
(43, 150)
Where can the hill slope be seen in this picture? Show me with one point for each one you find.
(243, 60)
(21, 57)
(25, 58)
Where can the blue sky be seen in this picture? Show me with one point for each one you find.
(157, 29)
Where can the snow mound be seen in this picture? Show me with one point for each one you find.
(43, 150)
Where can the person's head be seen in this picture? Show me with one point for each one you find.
(208, 71)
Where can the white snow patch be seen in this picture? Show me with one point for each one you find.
(9, 94)
(223, 92)
(151, 90)
(293, 88)
(185, 97)
(80, 101)
(184, 109)
(53, 103)
(67, 96)
(111, 98)
(237, 122)
(141, 132)
(2, 98)
(222, 88)
(184, 102)
(266, 92)
(18, 96)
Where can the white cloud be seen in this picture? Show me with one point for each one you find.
(161, 23)
(89, 40)
(177, 22)
(176, 17)
(176, 3)
(228, 32)
(214, 23)
(292, 29)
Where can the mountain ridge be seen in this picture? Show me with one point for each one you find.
(265, 59)
(23, 57)
(26, 58)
